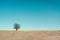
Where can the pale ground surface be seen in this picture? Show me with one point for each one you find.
(29, 35)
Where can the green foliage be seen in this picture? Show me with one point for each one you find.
(16, 26)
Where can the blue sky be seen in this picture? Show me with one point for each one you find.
(30, 14)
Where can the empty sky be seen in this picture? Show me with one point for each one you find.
(30, 14)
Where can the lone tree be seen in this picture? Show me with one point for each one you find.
(16, 26)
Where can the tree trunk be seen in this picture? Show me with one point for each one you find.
(16, 29)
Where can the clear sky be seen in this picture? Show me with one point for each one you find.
(30, 14)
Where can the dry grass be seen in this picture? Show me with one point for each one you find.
(29, 35)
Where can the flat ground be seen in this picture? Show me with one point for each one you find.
(29, 35)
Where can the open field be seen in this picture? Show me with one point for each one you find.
(29, 35)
